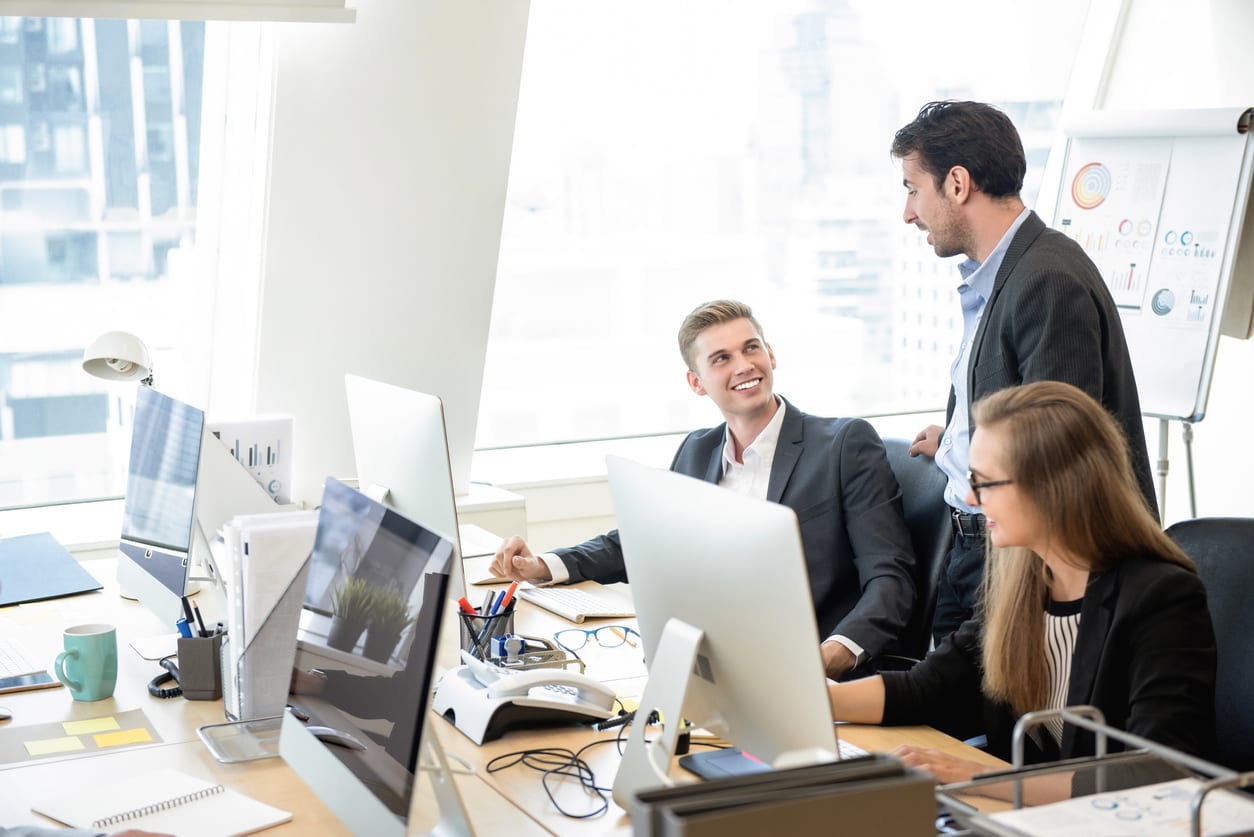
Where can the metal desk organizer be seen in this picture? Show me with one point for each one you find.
(1143, 757)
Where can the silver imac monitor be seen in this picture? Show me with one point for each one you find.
(159, 512)
(723, 602)
(353, 730)
(401, 449)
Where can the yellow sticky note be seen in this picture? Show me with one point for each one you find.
(126, 736)
(47, 746)
(90, 726)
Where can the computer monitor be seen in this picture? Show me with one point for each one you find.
(723, 603)
(159, 512)
(401, 449)
(354, 730)
(182, 485)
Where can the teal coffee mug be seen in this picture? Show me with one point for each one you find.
(89, 664)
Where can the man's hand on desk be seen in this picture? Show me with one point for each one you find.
(837, 659)
(514, 560)
(944, 767)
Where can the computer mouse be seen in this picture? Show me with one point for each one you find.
(335, 736)
(5, 714)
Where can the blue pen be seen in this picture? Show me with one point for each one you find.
(496, 605)
(185, 630)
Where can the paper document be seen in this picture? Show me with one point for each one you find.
(1161, 809)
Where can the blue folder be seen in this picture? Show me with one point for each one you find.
(35, 567)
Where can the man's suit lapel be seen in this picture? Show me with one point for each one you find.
(787, 453)
(1029, 231)
(1096, 614)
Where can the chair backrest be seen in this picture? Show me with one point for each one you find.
(1223, 550)
(931, 531)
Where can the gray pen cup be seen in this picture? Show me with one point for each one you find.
(200, 667)
(477, 631)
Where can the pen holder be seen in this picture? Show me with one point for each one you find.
(200, 667)
(477, 631)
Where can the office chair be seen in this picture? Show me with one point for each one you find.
(1223, 550)
(931, 531)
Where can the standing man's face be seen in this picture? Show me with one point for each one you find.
(933, 210)
(734, 366)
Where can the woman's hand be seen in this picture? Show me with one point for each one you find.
(944, 767)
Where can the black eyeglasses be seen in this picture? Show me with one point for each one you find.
(977, 487)
(606, 636)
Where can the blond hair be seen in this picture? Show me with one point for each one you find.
(709, 314)
(1068, 457)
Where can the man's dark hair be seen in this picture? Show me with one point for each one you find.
(976, 136)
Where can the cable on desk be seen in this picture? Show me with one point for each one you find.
(561, 763)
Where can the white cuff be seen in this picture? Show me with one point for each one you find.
(858, 654)
(557, 569)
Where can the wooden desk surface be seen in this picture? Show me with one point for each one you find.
(510, 801)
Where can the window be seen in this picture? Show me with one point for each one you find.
(87, 219)
(670, 153)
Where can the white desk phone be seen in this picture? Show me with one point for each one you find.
(484, 700)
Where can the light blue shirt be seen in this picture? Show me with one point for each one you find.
(953, 456)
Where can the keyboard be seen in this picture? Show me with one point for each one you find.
(17, 672)
(849, 751)
(575, 604)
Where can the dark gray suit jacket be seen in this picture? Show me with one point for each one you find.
(1144, 655)
(1051, 317)
(835, 475)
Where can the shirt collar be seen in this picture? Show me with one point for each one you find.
(980, 277)
(763, 447)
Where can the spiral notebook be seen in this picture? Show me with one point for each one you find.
(164, 801)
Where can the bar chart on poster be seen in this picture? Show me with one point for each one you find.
(1159, 201)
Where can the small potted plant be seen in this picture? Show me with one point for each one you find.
(389, 616)
(351, 604)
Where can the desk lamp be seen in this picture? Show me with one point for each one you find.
(118, 356)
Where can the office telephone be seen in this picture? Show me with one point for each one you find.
(484, 701)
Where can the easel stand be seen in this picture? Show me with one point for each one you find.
(1163, 465)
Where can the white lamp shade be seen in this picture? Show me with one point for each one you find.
(117, 356)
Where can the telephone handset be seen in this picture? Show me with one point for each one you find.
(554, 685)
(485, 701)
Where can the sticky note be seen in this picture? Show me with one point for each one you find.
(126, 736)
(90, 726)
(47, 746)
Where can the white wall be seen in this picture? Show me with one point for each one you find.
(1174, 55)
(391, 148)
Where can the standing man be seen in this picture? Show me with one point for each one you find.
(1034, 308)
(832, 472)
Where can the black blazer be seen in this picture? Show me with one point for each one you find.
(1145, 656)
(1050, 317)
(835, 475)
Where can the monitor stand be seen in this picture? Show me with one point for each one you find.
(433, 764)
(646, 764)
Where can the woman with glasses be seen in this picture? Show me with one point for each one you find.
(1085, 600)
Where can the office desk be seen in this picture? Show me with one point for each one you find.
(508, 802)
(175, 720)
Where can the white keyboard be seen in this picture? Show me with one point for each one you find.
(849, 751)
(575, 604)
(13, 659)
(18, 673)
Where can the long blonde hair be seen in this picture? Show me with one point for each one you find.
(1069, 459)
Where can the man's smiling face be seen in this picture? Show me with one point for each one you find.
(734, 366)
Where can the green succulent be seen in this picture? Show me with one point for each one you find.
(389, 613)
(353, 600)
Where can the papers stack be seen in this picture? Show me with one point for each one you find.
(266, 561)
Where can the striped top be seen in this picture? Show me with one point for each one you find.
(1062, 623)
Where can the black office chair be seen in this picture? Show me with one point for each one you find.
(931, 531)
(1223, 550)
